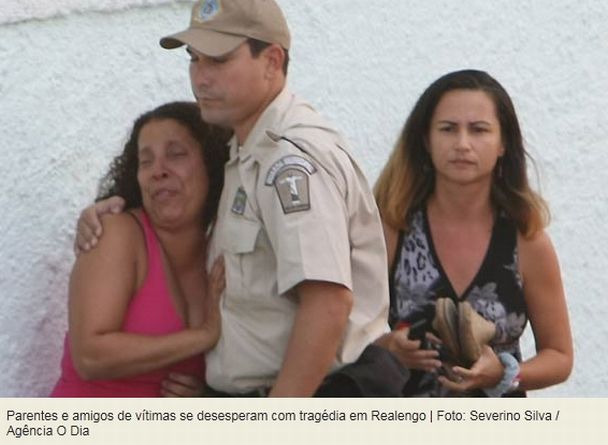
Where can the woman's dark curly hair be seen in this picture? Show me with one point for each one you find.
(121, 179)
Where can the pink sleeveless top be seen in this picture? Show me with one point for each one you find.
(150, 312)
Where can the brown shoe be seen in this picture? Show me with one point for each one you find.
(446, 325)
(474, 332)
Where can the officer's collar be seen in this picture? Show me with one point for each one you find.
(270, 119)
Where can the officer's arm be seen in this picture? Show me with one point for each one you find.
(318, 330)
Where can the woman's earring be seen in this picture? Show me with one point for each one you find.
(499, 168)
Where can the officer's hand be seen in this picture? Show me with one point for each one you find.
(408, 351)
(89, 227)
(181, 385)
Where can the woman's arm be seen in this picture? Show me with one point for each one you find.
(548, 314)
(184, 385)
(102, 284)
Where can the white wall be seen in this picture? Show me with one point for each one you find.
(75, 73)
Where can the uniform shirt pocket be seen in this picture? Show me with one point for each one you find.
(241, 235)
(241, 252)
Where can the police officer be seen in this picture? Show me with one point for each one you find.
(306, 272)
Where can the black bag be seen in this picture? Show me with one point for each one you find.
(376, 373)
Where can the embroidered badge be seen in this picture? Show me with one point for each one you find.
(240, 201)
(288, 162)
(292, 187)
(208, 9)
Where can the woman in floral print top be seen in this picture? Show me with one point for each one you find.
(462, 222)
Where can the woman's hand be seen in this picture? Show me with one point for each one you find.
(182, 385)
(216, 283)
(408, 352)
(485, 373)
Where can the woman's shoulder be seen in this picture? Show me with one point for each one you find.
(535, 250)
(535, 243)
(120, 247)
(122, 236)
(122, 225)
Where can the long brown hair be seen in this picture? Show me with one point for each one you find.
(408, 178)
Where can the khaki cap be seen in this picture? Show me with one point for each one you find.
(220, 26)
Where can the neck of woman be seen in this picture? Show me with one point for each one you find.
(184, 248)
(461, 204)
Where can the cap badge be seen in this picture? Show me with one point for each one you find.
(208, 9)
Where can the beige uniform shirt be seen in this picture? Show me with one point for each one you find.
(295, 206)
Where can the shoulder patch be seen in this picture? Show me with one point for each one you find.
(292, 187)
(289, 162)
